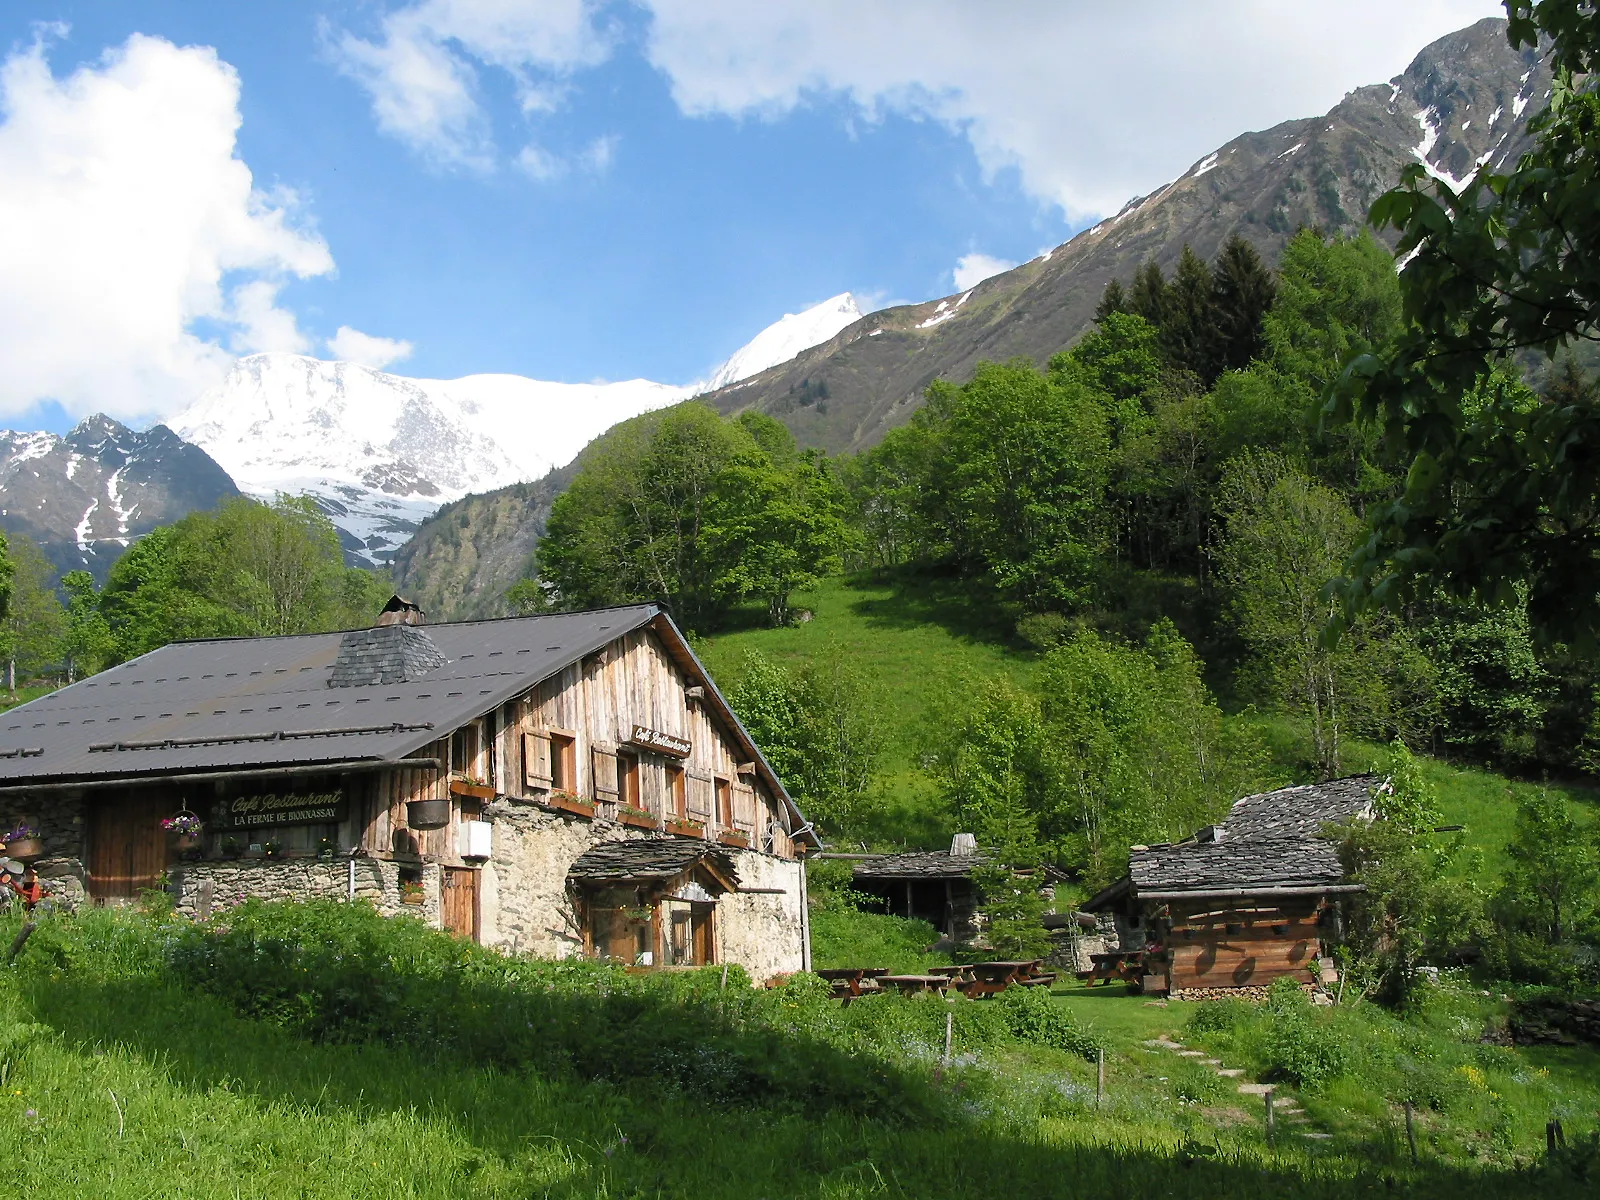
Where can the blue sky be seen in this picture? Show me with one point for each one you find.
(576, 190)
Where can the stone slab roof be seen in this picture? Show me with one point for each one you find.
(649, 860)
(921, 864)
(1269, 840)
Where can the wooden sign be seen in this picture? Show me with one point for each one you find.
(661, 743)
(279, 808)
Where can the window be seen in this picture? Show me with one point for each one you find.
(466, 752)
(724, 803)
(628, 780)
(677, 791)
(564, 763)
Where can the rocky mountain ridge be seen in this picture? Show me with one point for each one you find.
(83, 496)
(1461, 104)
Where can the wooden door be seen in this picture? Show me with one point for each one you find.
(458, 888)
(127, 846)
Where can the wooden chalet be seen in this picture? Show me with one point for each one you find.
(1240, 903)
(563, 784)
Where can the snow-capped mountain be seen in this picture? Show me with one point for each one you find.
(85, 495)
(783, 339)
(381, 452)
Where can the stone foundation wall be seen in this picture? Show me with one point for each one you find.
(60, 821)
(204, 889)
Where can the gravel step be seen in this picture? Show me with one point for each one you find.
(1230, 1072)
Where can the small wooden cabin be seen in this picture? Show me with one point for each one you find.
(507, 780)
(1240, 903)
(937, 886)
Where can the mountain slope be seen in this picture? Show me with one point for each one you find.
(381, 452)
(84, 496)
(1463, 100)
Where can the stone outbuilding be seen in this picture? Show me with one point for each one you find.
(560, 784)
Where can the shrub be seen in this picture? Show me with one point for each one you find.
(1300, 1047)
(1031, 1016)
(1219, 1016)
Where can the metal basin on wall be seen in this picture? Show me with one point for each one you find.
(427, 814)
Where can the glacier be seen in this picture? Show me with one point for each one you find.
(381, 452)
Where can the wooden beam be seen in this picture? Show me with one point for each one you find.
(333, 768)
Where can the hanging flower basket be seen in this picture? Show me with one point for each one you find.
(23, 843)
(185, 829)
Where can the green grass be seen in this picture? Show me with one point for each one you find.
(25, 693)
(912, 643)
(119, 1080)
(842, 938)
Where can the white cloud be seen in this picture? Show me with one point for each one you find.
(126, 219)
(1090, 103)
(540, 164)
(973, 269)
(351, 345)
(422, 70)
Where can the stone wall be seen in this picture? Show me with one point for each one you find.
(59, 817)
(762, 931)
(204, 889)
(525, 907)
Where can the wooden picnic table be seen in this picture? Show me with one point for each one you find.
(992, 978)
(916, 983)
(1114, 964)
(847, 981)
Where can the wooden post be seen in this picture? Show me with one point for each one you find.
(1272, 1125)
(1099, 1077)
(949, 1030)
(1411, 1133)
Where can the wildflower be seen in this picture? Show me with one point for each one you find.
(31, 1113)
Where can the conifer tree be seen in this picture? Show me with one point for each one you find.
(1242, 291)
(1151, 296)
(1112, 300)
(1188, 332)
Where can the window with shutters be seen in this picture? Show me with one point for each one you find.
(628, 780)
(677, 791)
(724, 802)
(564, 762)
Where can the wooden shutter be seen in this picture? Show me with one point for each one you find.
(605, 774)
(744, 807)
(700, 793)
(536, 760)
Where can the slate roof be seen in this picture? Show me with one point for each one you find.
(1269, 840)
(647, 860)
(921, 864)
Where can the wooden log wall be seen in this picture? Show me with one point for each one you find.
(598, 701)
(1243, 944)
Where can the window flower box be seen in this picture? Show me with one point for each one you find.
(566, 802)
(685, 827)
(734, 837)
(23, 843)
(467, 787)
(638, 818)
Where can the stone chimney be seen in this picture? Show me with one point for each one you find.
(384, 654)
